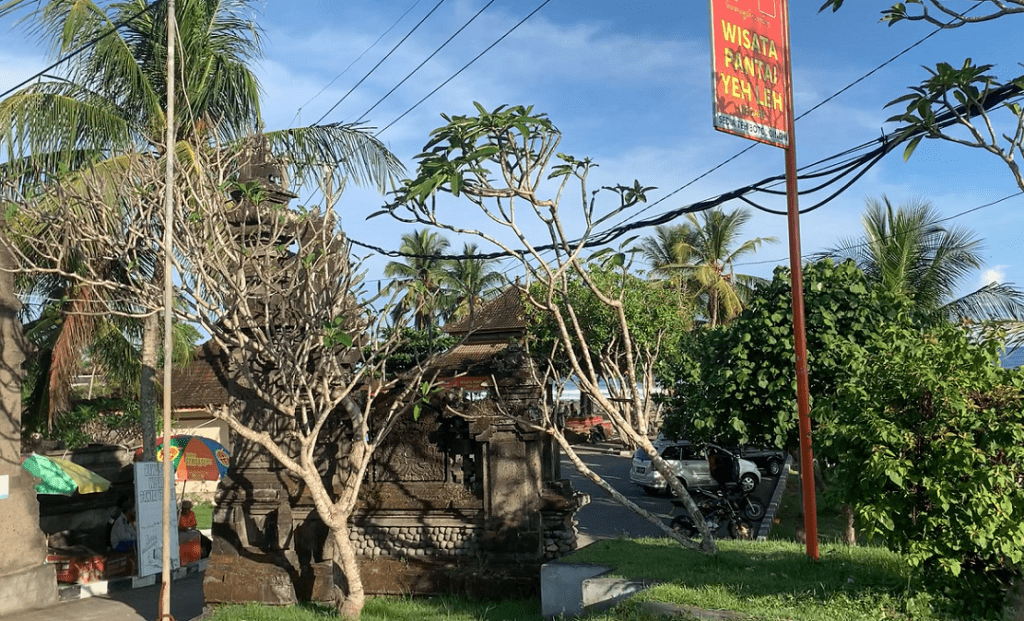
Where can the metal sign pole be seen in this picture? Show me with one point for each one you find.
(799, 332)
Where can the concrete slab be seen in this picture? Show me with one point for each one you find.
(603, 593)
(561, 587)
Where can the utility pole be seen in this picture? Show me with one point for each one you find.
(169, 140)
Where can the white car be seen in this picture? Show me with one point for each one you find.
(690, 465)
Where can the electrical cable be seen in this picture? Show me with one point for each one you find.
(464, 67)
(453, 76)
(386, 56)
(425, 60)
(83, 47)
(857, 167)
(862, 244)
(358, 58)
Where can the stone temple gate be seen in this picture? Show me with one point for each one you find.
(461, 502)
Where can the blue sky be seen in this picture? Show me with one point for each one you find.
(629, 85)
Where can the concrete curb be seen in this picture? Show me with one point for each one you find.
(71, 592)
(604, 448)
(773, 505)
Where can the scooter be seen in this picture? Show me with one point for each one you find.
(721, 508)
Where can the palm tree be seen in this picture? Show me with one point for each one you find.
(908, 251)
(421, 276)
(469, 282)
(699, 256)
(111, 99)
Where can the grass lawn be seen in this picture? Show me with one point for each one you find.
(765, 580)
(391, 609)
(769, 580)
(204, 514)
(760, 580)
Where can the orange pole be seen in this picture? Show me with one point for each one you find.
(799, 331)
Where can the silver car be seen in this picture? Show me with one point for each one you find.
(690, 465)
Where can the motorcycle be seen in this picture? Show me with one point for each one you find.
(721, 508)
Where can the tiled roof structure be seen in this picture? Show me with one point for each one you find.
(466, 355)
(202, 383)
(502, 314)
(495, 325)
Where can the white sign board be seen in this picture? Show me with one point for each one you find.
(149, 498)
(5, 486)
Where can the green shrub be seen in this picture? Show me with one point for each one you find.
(932, 434)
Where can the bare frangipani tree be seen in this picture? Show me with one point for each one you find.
(499, 161)
(966, 104)
(276, 289)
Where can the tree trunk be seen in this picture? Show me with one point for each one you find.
(147, 385)
(348, 586)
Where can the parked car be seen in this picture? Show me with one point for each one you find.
(769, 460)
(690, 465)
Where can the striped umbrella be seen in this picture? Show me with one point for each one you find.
(61, 476)
(196, 458)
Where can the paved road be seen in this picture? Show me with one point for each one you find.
(604, 518)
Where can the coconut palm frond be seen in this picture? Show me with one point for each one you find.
(994, 301)
(349, 151)
(908, 251)
(698, 257)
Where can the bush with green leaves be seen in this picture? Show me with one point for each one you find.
(657, 315)
(77, 427)
(930, 431)
(737, 383)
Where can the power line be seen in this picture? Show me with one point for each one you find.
(864, 244)
(358, 58)
(386, 56)
(464, 67)
(855, 166)
(425, 60)
(82, 48)
(453, 76)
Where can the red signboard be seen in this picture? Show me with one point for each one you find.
(750, 43)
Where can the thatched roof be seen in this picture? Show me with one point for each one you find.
(502, 315)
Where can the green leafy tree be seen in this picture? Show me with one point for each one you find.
(928, 431)
(907, 251)
(110, 98)
(468, 282)
(420, 277)
(657, 319)
(736, 385)
(699, 256)
(414, 347)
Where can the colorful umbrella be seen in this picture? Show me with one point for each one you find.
(61, 476)
(196, 458)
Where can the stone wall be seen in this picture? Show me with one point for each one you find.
(448, 506)
(25, 581)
